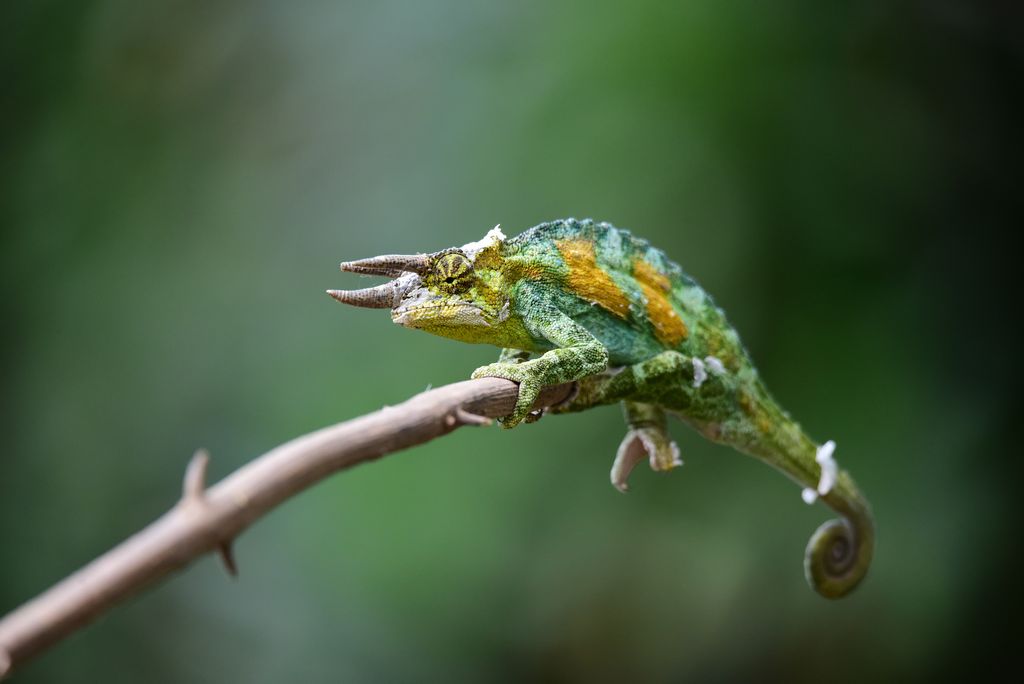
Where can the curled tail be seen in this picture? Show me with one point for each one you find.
(739, 412)
(840, 551)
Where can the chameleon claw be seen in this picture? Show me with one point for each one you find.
(661, 451)
(630, 452)
(523, 412)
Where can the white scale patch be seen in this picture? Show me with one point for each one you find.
(471, 249)
(715, 365)
(699, 374)
(829, 472)
(701, 368)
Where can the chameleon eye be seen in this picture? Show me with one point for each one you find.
(453, 271)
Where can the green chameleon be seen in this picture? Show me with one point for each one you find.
(604, 309)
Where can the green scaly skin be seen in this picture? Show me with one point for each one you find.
(585, 302)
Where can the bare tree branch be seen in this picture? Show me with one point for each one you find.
(206, 520)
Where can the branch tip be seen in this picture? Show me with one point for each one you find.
(194, 485)
(467, 418)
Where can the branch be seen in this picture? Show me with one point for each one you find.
(207, 520)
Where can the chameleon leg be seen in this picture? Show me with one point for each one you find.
(647, 436)
(513, 356)
(553, 367)
(665, 380)
(576, 355)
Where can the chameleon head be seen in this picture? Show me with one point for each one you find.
(443, 293)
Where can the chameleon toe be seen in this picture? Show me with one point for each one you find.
(631, 451)
(661, 452)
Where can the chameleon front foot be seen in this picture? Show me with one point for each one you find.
(564, 364)
(648, 436)
(529, 389)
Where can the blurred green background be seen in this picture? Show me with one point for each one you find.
(180, 179)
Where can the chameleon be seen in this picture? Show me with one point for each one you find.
(583, 302)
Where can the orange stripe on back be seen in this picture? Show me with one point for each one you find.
(668, 327)
(588, 280)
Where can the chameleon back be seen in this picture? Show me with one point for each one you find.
(627, 293)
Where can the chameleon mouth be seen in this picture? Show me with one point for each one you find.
(444, 314)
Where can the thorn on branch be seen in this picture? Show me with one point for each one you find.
(210, 523)
(194, 487)
(461, 416)
(227, 557)
(194, 494)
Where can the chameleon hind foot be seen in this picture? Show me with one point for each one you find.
(648, 436)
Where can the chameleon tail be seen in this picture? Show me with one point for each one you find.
(740, 413)
(840, 551)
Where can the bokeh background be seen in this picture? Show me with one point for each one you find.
(178, 181)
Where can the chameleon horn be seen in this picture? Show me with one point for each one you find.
(391, 265)
(381, 297)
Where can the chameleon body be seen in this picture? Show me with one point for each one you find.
(585, 302)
